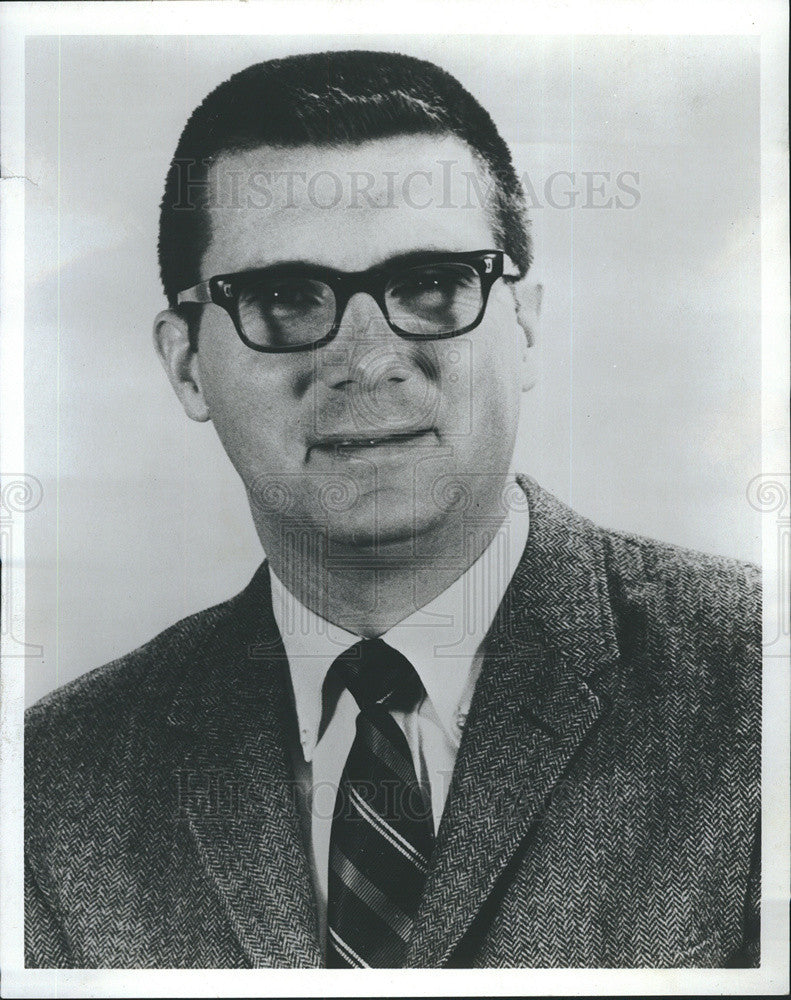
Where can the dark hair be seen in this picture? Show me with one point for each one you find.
(327, 99)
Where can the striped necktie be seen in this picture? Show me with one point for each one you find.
(382, 831)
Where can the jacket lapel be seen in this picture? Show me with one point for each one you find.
(531, 710)
(237, 789)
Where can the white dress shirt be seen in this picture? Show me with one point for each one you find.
(441, 641)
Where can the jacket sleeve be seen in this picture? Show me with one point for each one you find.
(45, 943)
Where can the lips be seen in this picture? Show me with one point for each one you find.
(356, 441)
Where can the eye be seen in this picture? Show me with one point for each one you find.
(440, 281)
(292, 294)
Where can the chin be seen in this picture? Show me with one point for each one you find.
(391, 522)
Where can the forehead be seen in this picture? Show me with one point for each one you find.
(349, 207)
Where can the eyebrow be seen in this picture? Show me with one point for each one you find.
(406, 257)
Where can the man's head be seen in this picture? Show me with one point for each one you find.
(328, 99)
(348, 161)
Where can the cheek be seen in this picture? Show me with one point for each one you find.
(495, 389)
(236, 379)
(253, 405)
(229, 390)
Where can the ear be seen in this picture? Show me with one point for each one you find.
(527, 299)
(180, 361)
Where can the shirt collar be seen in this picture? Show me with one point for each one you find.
(441, 639)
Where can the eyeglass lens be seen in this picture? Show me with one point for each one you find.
(430, 300)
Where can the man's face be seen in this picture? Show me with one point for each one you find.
(430, 426)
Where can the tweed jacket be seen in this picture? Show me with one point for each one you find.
(603, 811)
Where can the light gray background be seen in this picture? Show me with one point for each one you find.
(647, 415)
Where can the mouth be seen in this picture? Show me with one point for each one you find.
(363, 444)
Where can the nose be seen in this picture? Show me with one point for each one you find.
(368, 377)
(366, 354)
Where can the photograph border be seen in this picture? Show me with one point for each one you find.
(771, 491)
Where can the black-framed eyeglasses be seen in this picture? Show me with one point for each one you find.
(299, 307)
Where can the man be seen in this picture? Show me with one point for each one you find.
(449, 722)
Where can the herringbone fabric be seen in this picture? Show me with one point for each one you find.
(382, 829)
(603, 811)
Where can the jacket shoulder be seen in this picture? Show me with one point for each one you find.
(690, 622)
(702, 580)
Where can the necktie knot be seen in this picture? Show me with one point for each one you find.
(377, 674)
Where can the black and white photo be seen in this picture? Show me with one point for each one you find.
(395, 496)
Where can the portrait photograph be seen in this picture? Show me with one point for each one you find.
(396, 517)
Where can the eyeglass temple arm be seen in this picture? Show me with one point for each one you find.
(198, 293)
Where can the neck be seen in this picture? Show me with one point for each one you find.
(367, 591)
